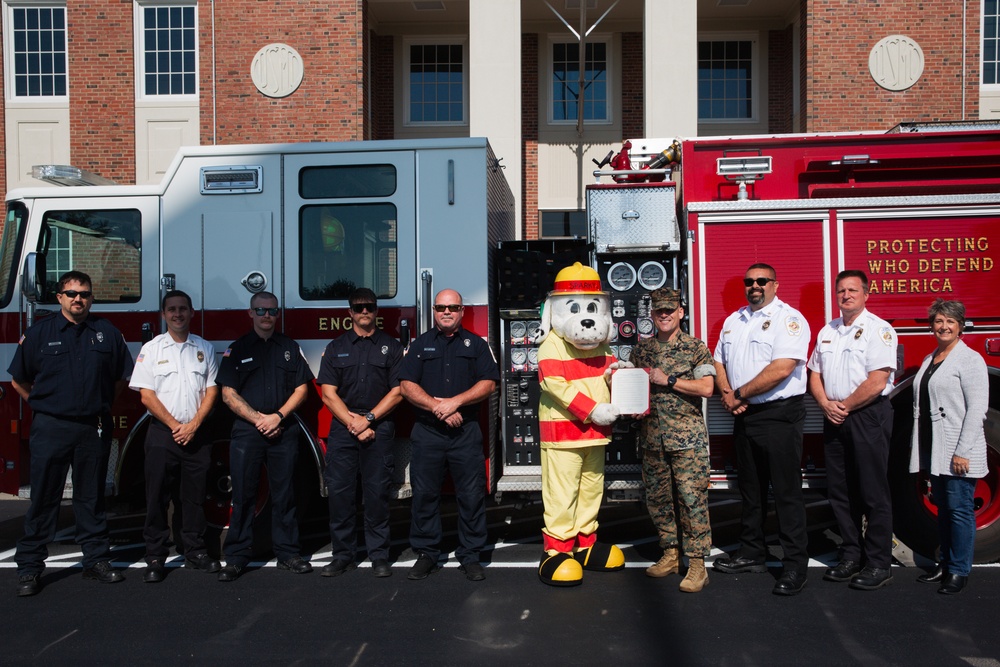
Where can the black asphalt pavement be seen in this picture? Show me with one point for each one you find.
(275, 617)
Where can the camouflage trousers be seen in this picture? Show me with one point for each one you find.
(679, 478)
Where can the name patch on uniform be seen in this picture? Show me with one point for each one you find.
(885, 333)
(793, 326)
(162, 361)
(343, 355)
(429, 349)
(57, 342)
(247, 360)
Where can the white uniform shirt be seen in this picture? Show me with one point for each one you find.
(845, 355)
(751, 340)
(179, 373)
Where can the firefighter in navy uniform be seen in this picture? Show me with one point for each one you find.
(445, 374)
(360, 379)
(264, 379)
(69, 367)
(175, 377)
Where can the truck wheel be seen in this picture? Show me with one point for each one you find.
(219, 489)
(914, 511)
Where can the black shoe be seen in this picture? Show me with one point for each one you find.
(154, 573)
(935, 577)
(474, 571)
(28, 584)
(296, 564)
(231, 572)
(735, 565)
(953, 584)
(203, 562)
(790, 583)
(843, 571)
(871, 578)
(381, 568)
(337, 568)
(104, 573)
(423, 567)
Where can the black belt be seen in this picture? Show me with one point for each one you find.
(89, 420)
(776, 403)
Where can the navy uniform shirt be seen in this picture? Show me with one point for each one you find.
(445, 366)
(263, 372)
(362, 368)
(74, 367)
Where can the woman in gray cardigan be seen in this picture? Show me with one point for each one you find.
(950, 399)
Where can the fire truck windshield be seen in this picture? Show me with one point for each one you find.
(11, 239)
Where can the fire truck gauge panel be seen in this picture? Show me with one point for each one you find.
(652, 275)
(621, 276)
(645, 326)
(518, 356)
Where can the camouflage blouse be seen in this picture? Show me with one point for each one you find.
(675, 420)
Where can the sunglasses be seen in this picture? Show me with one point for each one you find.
(72, 294)
(270, 311)
(362, 307)
(450, 307)
(760, 282)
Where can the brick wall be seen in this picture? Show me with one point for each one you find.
(841, 93)
(381, 98)
(102, 87)
(529, 135)
(780, 71)
(328, 105)
(633, 100)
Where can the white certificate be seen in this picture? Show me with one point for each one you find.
(630, 390)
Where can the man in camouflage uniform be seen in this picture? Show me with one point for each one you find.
(674, 439)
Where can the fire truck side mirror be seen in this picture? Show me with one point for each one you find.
(33, 277)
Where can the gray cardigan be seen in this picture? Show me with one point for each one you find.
(959, 397)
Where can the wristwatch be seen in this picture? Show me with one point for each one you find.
(370, 417)
(737, 395)
(671, 381)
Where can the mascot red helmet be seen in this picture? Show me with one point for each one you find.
(577, 279)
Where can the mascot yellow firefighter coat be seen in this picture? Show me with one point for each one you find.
(575, 416)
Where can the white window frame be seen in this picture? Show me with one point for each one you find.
(139, 20)
(991, 87)
(755, 57)
(8, 53)
(609, 69)
(443, 40)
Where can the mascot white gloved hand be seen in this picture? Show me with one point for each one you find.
(575, 414)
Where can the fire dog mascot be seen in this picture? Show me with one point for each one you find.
(575, 417)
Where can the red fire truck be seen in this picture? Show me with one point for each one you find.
(917, 208)
(308, 222)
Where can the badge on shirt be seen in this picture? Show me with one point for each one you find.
(765, 326)
(385, 350)
(859, 333)
(100, 336)
(201, 357)
(467, 342)
(288, 355)
(793, 326)
(885, 333)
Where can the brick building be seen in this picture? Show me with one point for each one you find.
(115, 86)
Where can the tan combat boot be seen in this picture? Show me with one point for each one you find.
(668, 564)
(696, 578)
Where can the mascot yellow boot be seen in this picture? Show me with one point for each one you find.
(575, 417)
